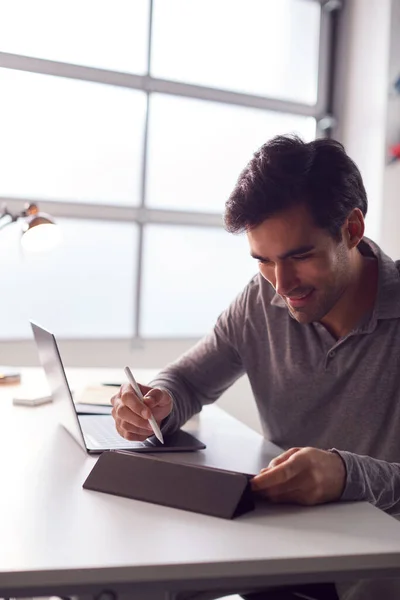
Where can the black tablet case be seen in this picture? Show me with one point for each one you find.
(206, 490)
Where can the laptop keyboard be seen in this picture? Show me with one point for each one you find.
(99, 432)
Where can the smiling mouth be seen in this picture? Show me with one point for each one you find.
(297, 301)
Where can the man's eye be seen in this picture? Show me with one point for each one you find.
(264, 262)
(302, 257)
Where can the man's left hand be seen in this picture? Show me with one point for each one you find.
(302, 476)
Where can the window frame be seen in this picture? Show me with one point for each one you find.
(142, 214)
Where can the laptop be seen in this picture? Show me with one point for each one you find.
(95, 433)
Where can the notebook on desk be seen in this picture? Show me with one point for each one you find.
(95, 399)
(95, 433)
(97, 395)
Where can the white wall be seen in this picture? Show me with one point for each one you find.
(361, 96)
(390, 235)
(390, 220)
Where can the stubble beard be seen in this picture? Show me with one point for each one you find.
(325, 300)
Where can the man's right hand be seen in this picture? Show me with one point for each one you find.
(131, 417)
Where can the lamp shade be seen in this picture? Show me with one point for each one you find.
(39, 232)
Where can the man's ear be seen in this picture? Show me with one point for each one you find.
(354, 228)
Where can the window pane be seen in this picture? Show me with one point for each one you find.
(197, 149)
(110, 34)
(190, 275)
(70, 140)
(82, 289)
(266, 47)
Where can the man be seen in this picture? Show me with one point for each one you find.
(317, 331)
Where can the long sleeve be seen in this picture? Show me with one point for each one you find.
(203, 373)
(373, 480)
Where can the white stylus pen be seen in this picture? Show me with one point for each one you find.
(152, 421)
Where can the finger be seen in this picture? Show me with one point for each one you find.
(145, 389)
(124, 428)
(159, 403)
(116, 397)
(284, 489)
(156, 397)
(274, 476)
(278, 460)
(130, 400)
(121, 411)
(133, 437)
(123, 414)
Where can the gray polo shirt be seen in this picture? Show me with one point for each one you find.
(310, 389)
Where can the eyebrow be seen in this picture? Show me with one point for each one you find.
(294, 252)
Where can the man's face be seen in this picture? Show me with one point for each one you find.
(303, 263)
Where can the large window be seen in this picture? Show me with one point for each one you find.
(129, 121)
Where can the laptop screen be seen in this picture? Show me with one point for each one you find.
(50, 359)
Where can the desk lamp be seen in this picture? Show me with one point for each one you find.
(39, 233)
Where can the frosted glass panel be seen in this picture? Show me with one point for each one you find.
(70, 140)
(197, 149)
(190, 276)
(110, 34)
(82, 289)
(266, 47)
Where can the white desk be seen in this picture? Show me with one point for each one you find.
(57, 538)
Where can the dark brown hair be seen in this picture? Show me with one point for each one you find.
(287, 171)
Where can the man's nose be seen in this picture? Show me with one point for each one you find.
(285, 279)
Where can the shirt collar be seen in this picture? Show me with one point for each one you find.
(387, 304)
(277, 300)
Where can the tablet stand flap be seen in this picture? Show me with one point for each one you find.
(196, 488)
